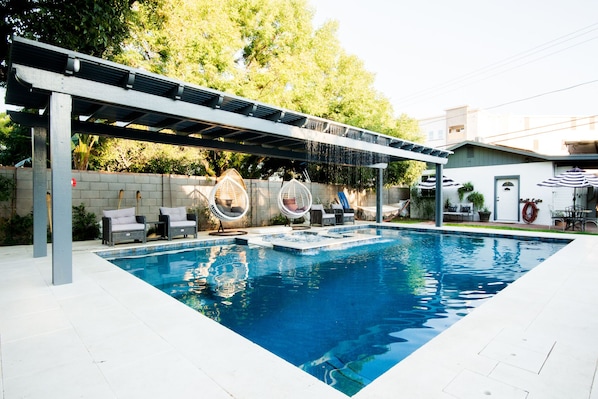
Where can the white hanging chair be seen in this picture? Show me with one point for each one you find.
(228, 199)
(294, 199)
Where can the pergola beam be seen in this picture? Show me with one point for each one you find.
(48, 81)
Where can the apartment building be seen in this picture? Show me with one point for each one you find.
(544, 134)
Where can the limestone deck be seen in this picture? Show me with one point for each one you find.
(110, 335)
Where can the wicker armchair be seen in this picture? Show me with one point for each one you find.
(176, 222)
(319, 215)
(122, 225)
(343, 215)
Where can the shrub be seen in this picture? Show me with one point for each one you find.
(205, 219)
(6, 188)
(18, 230)
(85, 226)
(477, 199)
(279, 219)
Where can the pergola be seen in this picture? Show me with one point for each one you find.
(74, 92)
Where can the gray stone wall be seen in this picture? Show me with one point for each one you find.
(102, 191)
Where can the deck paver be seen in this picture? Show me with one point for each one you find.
(110, 335)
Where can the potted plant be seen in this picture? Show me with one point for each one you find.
(477, 199)
(465, 188)
(484, 214)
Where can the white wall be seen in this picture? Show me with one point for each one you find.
(530, 174)
(99, 191)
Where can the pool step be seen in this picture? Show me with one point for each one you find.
(253, 241)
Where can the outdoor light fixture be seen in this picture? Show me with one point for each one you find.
(73, 65)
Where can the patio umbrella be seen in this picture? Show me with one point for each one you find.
(430, 184)
(573, 178)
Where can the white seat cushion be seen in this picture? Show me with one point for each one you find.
(121, 216)
(128, 226)
(183, 223)
(176, 214)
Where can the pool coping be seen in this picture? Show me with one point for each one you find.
(471, 356)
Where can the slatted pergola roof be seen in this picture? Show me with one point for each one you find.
(74, 92)
(115, 100)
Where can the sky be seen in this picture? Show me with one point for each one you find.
(530, 57)
(540, 57)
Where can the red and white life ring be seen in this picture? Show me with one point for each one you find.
(529, 212)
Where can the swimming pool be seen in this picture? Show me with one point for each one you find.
(343, 316)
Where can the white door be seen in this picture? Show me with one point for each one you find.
(507, 199)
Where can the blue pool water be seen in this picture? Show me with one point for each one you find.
(345, 316)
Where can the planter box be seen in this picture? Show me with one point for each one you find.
(484, 216)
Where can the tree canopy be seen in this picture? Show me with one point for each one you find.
(267, 50)
(92, 27)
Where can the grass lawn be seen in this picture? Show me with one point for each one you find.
(490, 225)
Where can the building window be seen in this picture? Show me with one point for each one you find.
(456, 129)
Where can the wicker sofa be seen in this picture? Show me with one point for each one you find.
(459, 212)
(122, 225)
(177, 222)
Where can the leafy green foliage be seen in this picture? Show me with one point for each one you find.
(205, 217)
(404, 172)
(267, 50)
(92, 27)
(477, 199)
(118, 155)
(7, 187)
(15, 142)
(82, 150)
(465, 188)
(85, 226)
(279, 220)
(18, 230)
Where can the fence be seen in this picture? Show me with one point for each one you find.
(147, 192)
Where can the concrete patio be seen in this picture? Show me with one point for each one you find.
(110, 335)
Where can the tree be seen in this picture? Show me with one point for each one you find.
(92, 27)
(83, 149)
(15, 142)
(267, 50)
(119, 155)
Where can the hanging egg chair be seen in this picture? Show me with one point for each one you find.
(294, 199)
(228, 199)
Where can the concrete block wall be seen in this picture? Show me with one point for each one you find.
(100, 191)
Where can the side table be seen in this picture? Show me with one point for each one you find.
(159, 227)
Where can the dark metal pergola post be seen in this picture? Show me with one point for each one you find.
(379, 192)
(438, 200)
(40, 219)
(62, 212)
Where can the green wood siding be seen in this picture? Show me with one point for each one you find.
(469, 155)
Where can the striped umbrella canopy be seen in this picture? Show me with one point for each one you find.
(573, 178)
(430, 184)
